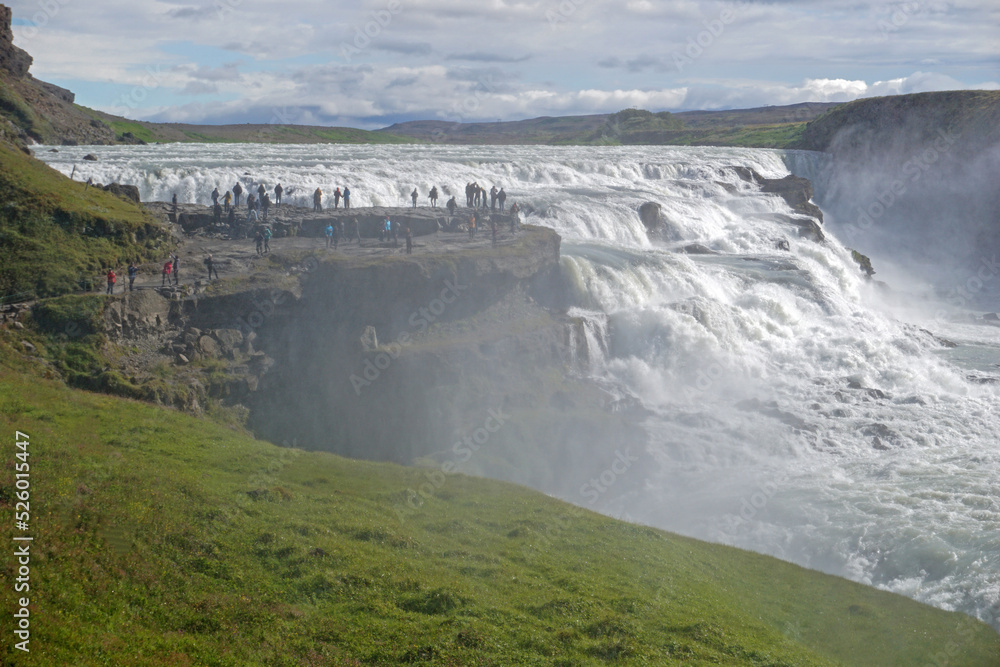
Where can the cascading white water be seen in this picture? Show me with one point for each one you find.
(790, 412)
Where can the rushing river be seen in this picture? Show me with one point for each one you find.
(794, 409)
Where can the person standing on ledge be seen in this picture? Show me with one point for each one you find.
(227, 200)
(215, 196)
(434, 196)
(452, 205)
(329, 235)
(237, 191)
(267, 240)
(210, 265)
(166, 273)
(260, 192)
(277, 194)
(501, 198)
(336, 198)
(133, 271)
(173, 203)
(176, 269)
(347, 197)
(413, 196)
(318, 200)
(111, 281)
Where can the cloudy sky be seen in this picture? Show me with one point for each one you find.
(371, 63)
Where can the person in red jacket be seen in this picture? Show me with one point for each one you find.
(111, 281)
(166, 272)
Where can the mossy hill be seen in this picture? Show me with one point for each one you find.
(56, 234)
(887, 123)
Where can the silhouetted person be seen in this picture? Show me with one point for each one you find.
(452, 205)
(501, 198)
(277, 194)
(133, 271)
(347, 198)
(210, 265)
(176, 268)
(237, 191)
(434, 196)
(215, 196)
(227, 200)
(413, 196)
(336, 198)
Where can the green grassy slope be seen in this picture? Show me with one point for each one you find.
(161, 539)
(55, 232)
(974, 115)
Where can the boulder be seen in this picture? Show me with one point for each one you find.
(649, 213)
(228, 338)
(208, 346)
(795, 190)
(90, 157)
(698, 249)
(129, 192)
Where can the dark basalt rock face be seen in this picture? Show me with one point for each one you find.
(795, 190)
(12, 59)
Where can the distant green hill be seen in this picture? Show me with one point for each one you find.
(765, 127)
(163, 539)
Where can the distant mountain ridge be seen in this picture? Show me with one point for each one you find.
(765, 127)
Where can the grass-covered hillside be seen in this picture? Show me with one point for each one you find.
(275, 132)
(56, 234)
(162, 539)
(765, 127)
(972, 116)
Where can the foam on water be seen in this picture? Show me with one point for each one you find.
(792, 411)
